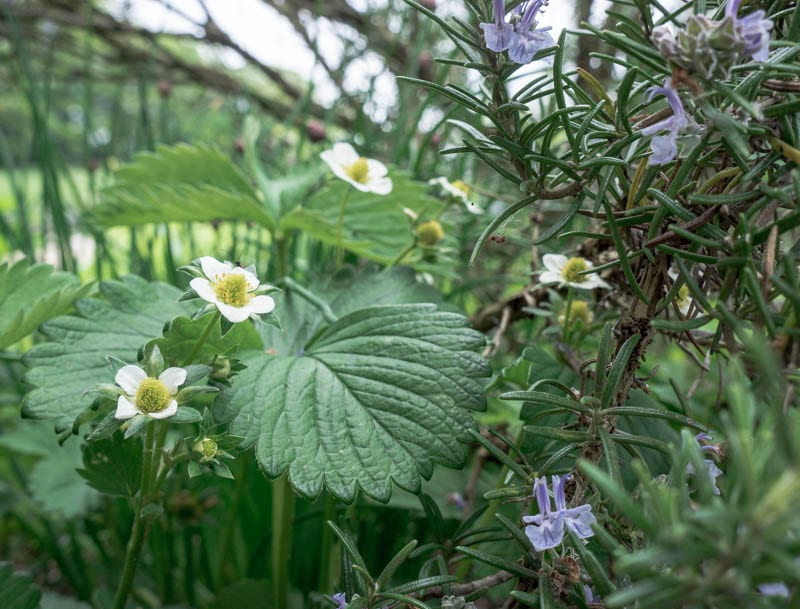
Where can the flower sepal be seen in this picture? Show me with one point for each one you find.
(193, 269)
(155, 362)
(195, 373)
(189, 393)
(186, 414)
(271, 319)
(104, 390)
(133, 426)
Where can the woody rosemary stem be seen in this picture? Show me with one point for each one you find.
(202, 340)
(282, 516)
(340, 229)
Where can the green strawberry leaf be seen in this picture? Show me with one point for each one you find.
(382, 394)
(57, 487)
(17, 591)
(113, 466)
(32, 294)
(180, 183)
(182, 334)
(128, 314)
(347, 291)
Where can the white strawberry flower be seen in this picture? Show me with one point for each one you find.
(152, 397)
(367, 175)
(231, 289)
(683, 300)
(568, 271)
(457, 190)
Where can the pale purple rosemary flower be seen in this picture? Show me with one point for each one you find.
(665, 147)
(713, 470)
(520, 37)
(778, 589)
(590, 597)
(498, 34)
(752, 30)
(546, 529)
(528, 39)
(339, 597)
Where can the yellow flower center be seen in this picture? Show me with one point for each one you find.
(232, 290)
(430, 233)
(459, 185)
(207, 447)
(572, 270)
(683, 296)
(358, 171)
(152, 396)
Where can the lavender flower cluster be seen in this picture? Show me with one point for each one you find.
(520, 35)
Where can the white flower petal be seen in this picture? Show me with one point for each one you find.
(173, 378)
(170, 410)
(381, 186)
(329, 158)
(250, 279)
(233, 314)
(550, 277)
(203, 289)
(473, 208)
(592, 281)
(344, 153)
(129, 377)
(554, 262)
(125, 409)
(261, 305)
(214, 269)
(376, 169)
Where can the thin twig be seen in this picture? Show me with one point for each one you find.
(469, 587)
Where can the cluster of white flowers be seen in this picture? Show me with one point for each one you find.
(234, 291)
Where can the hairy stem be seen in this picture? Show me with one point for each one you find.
(136, 540)
(282, 516)
(340, 229)
(403, 254)
(327, 552)
(202, 340)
